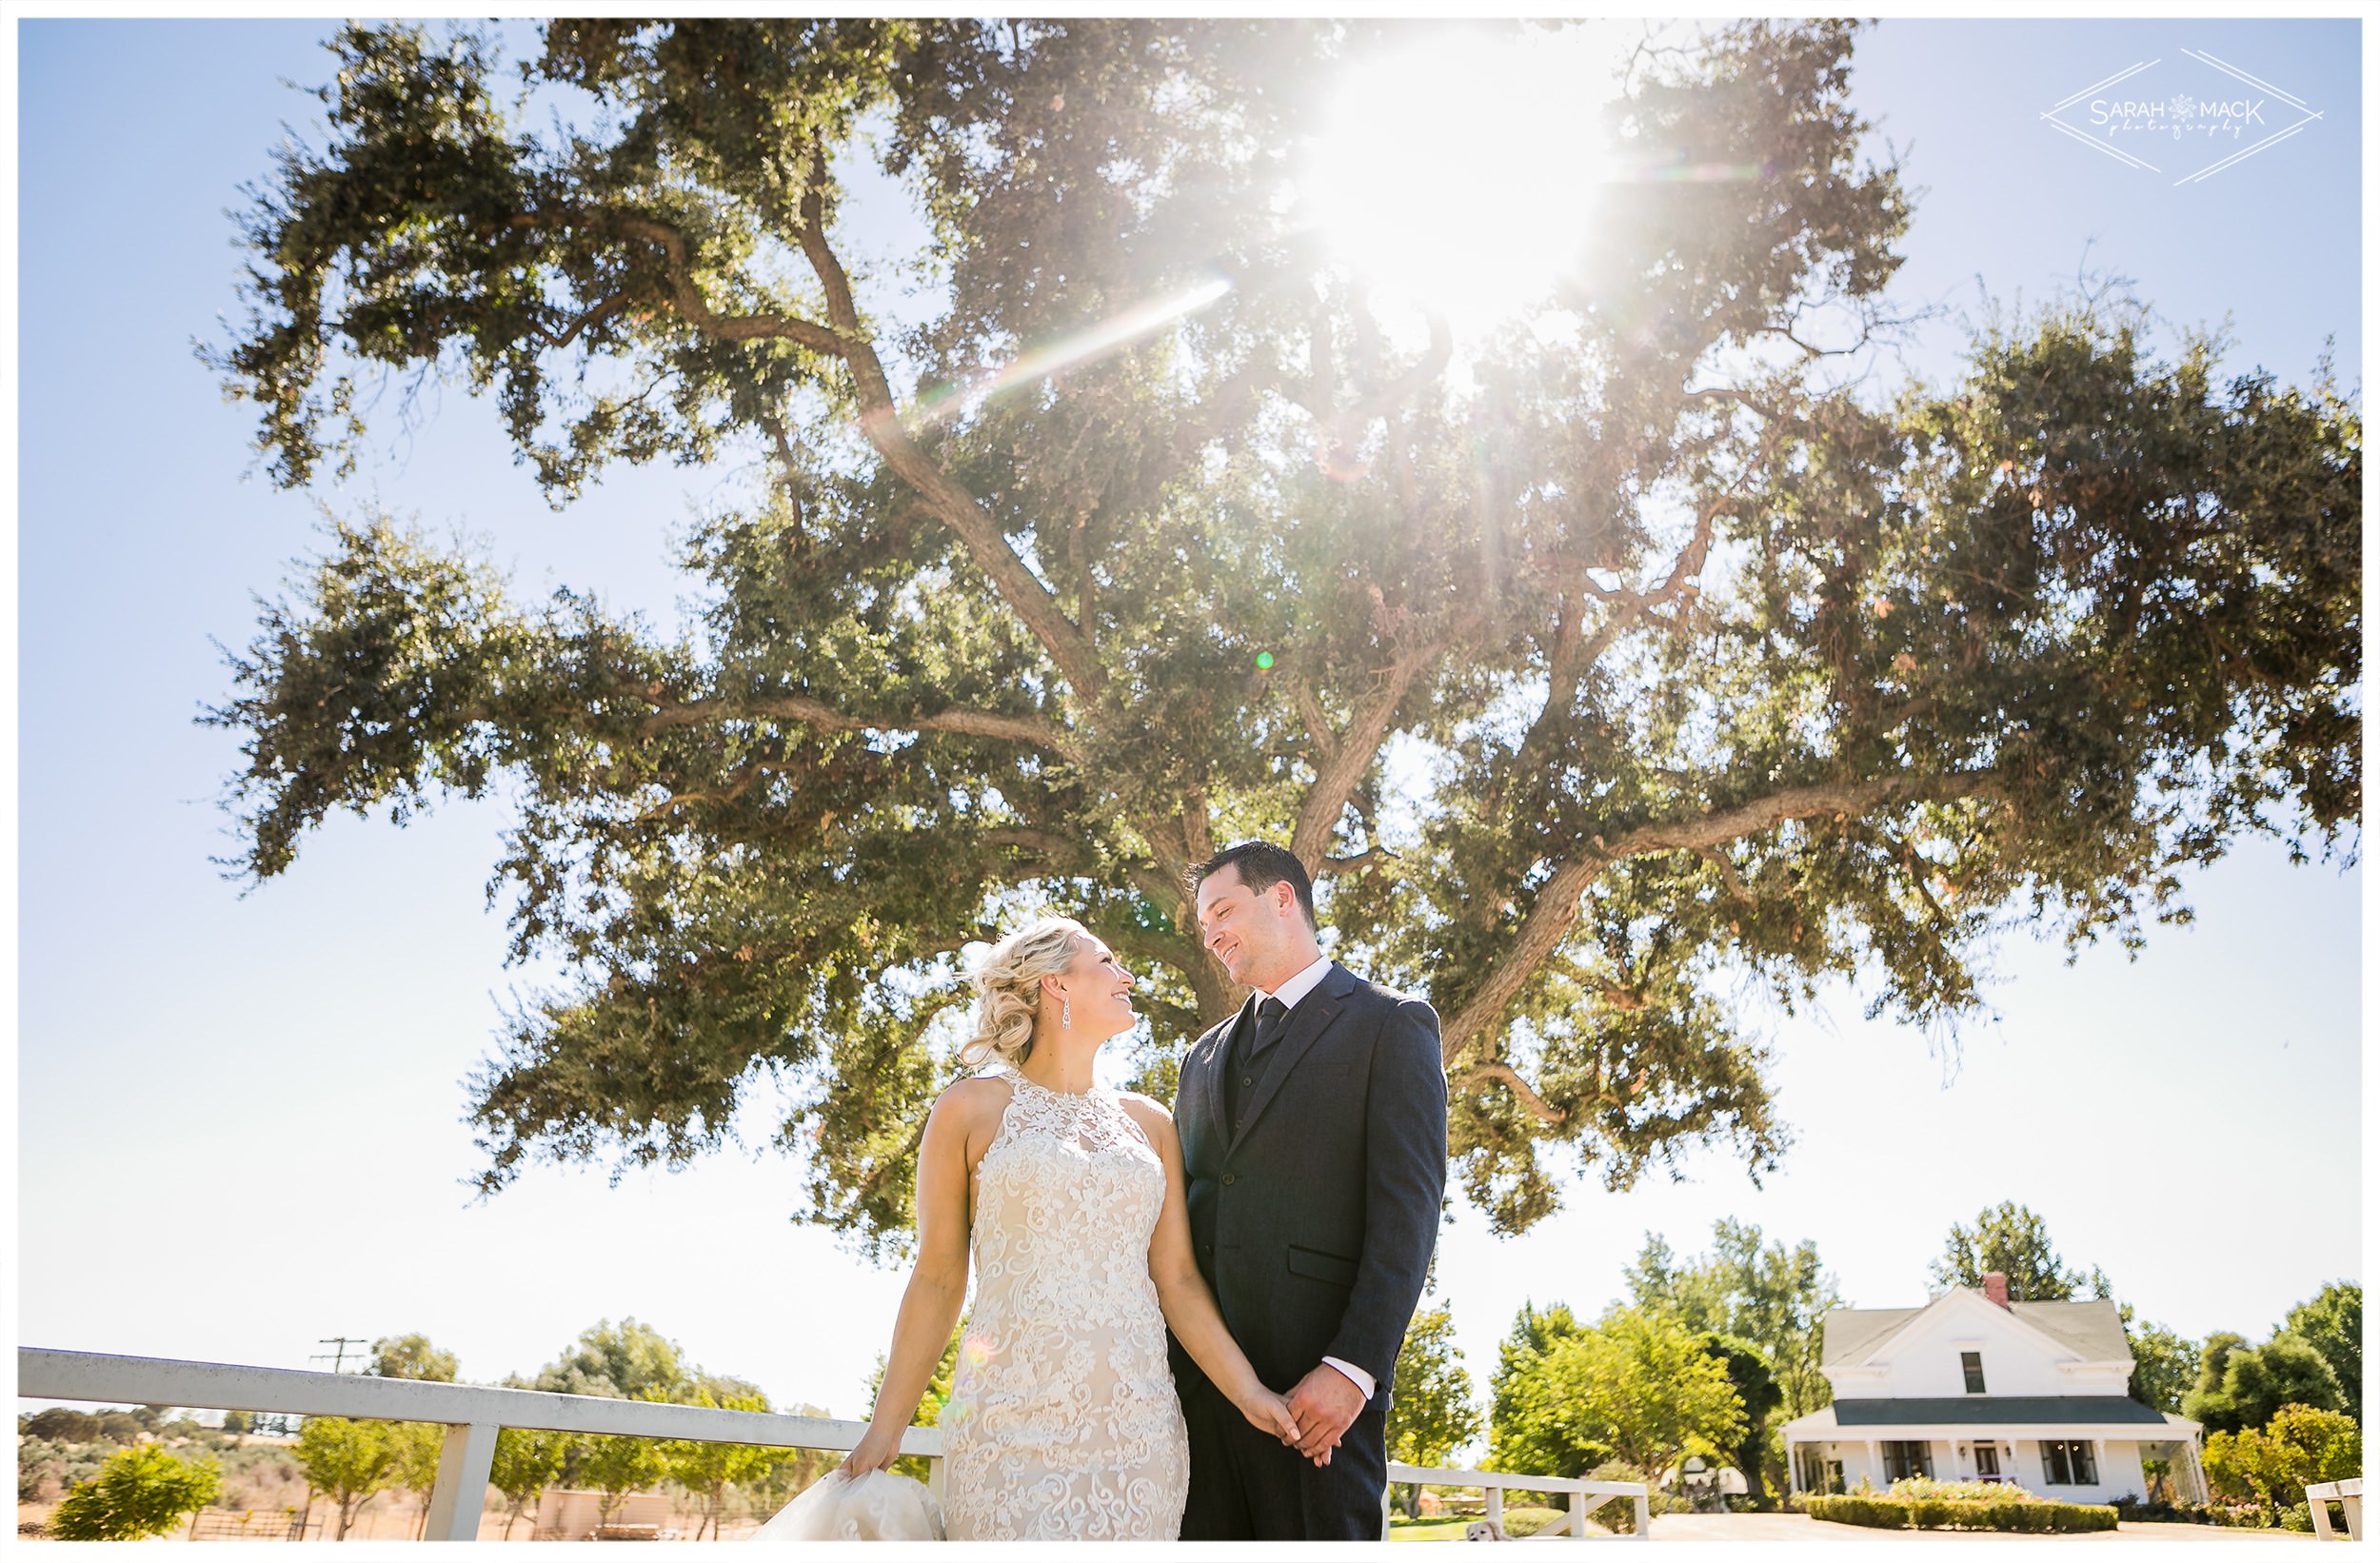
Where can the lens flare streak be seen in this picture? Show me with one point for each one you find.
(1077, 347)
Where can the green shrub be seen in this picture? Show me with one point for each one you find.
(141, 1492)
(2020, 1511)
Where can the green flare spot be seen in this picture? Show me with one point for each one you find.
(1264, 660)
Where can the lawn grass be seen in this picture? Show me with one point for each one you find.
(1520, 1520)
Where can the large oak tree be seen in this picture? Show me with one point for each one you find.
(1713, 661)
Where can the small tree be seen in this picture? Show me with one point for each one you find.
(1430, 1412)
(1641, 1384)
(347, 1461)
(526, 1460)
(709, 1468)
(418, 1446)
(412, 1356)
(141, 1492)
(620, 1464)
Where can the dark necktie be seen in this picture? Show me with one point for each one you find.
(1240, 1084)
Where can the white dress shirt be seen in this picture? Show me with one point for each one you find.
(1289, 993)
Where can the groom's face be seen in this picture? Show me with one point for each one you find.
(1248, 931)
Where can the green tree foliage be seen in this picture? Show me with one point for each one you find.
(1773, 1296)
(2274, 1465)
(1730, 667)
(1430, 1410)
(1524, 1435)
(618, 1361)
(2165, 1366)
(349, 1462)
(1759, 1394)
(2241, 1387)
(618, 1465)
(526, 1461)
(709, 1469)
(235, 1422)
(412, 1356)
(418, 1446)
(2012, 1238)
(141, 1492)
(2331, 1322)
(1637, 1383)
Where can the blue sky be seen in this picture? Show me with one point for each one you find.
(239, 1116)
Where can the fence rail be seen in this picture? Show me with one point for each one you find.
(472, 1414)
(1585, 1498)
(2348, 1496)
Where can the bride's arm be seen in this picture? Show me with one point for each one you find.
(937, 1287)
(1182, 1293)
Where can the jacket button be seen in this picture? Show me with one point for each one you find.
(1229, 1178)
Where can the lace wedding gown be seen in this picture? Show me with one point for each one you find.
(1063, 1423)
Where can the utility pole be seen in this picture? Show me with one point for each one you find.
(340, 1354)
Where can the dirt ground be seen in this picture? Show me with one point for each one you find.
(390, 1518)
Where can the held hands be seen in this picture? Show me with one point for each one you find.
(877, 1449)
(1269, 1412)
(1325, 1403)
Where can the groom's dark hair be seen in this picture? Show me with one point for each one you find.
(1262, 865)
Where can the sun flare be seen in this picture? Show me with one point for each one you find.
(1462, 174)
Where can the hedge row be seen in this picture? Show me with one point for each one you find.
(1893, 1514)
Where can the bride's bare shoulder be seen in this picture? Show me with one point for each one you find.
(1153, 1117)
(974, 1099)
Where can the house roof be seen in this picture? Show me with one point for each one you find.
(2092, 1330)
(1989, 1410)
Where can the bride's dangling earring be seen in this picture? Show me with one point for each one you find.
(1066, 1013)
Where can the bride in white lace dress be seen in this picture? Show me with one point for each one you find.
(1062, 1422)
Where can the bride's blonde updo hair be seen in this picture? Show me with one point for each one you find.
(1008, 984)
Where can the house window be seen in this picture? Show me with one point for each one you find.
(1987, 1462)
(1817, 1472)
(1972, 1364)
(2068, 1462)
(1907, 1457)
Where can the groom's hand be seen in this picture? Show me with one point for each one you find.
(1327, 1402)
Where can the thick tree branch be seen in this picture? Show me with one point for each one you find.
(1024, 591)
(1505, 1075)
(1556, 908)
(1340, 770)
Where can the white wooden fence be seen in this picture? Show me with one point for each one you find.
(2348, 1496)
(472, 1414)
(1584, 1496)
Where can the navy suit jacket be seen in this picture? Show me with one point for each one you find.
(1314, 1225)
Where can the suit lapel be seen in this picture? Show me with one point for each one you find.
(1312, 1017)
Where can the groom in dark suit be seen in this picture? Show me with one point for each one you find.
(1313, 1132)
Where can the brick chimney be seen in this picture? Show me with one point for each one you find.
(1995, 1286)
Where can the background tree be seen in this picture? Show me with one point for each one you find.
(412, 1356)
(2165, 1366)
(2011, 1239)
(140, 1492)
(1773, 1296)
(2331, 1322)
(347, 1461)
(1430, 1410)
(1525, 1432)
(709, 1468)
(235, 1422)
(2274, 1465)
(526, 1461)
(2242, 1386)
(1729, 667)
(418, 1446)
(1758, 1393)
(1641, 1385)
(618, 1361)
(618, 1465)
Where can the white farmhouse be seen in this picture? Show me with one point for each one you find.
(1974, 1386)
